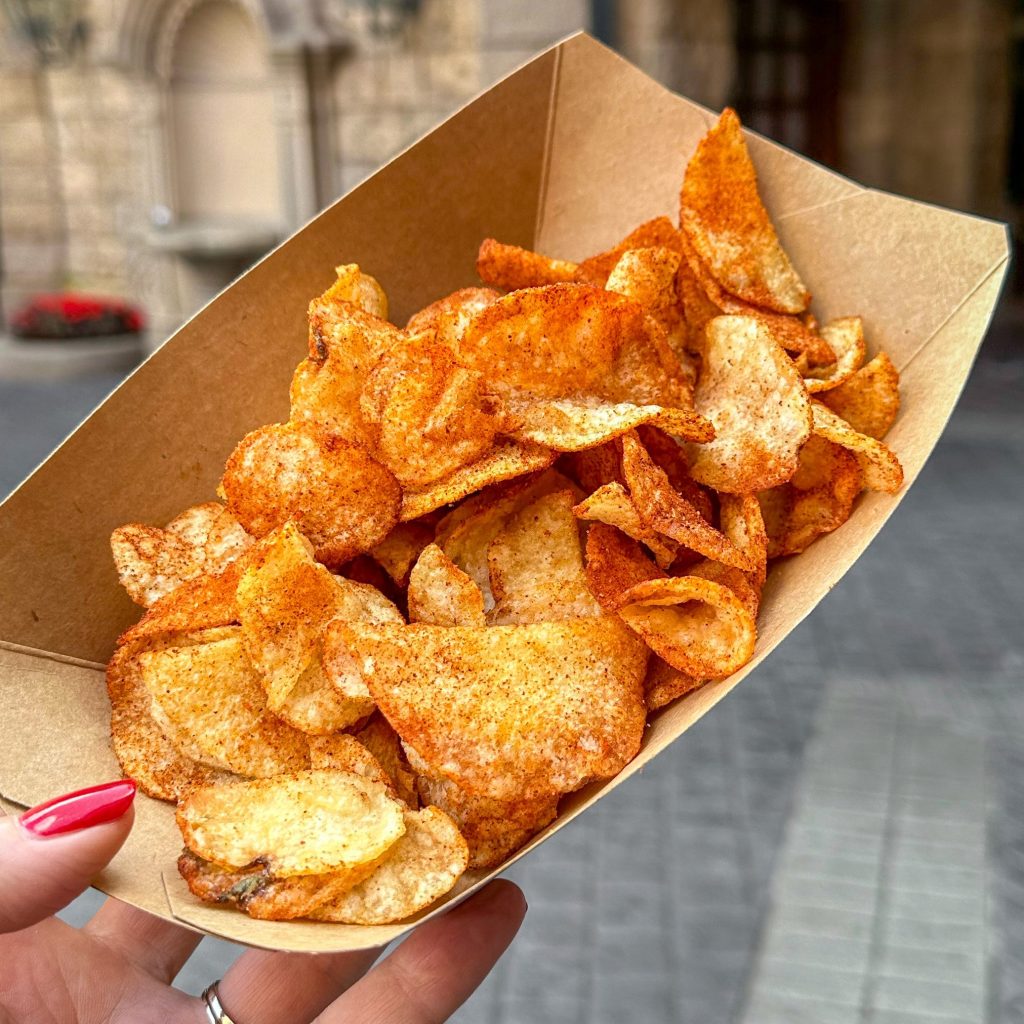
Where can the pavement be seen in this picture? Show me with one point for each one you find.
(842, 839)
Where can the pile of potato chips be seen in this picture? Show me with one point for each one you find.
(450, 589)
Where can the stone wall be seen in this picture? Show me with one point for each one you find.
(83, 148)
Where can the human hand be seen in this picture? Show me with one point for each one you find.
(118, 969)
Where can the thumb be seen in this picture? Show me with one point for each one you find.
(49, 853)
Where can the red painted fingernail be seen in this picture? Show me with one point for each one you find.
(82, 809)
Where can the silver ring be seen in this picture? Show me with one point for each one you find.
(215, 1013)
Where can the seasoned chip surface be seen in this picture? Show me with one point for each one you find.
(340, 497)
(303, 823)
(422, 866)
(755, 397)
(211, 694)
(510, 712)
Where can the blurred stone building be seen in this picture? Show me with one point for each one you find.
(154, 148)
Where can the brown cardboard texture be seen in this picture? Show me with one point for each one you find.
(565, 155)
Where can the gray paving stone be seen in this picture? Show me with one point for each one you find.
(932, 998)
(777, 1008)
(810, 981)
(964, 967)
(838, 952)
(830, 893)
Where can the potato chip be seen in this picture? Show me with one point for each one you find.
(345, 344)
(663, 509)
(669, 455)
(592, 468)
(465, 534)
(142, 748)
(507, 460)
(508, 267)
(343, 500)
(698, 309)
(845, 337)
(509, 712)
(421, 867)
(398, 551)
(657, 233)
(285, 600)
(615, 563)
(665, 684)
(431, 416)
(816, 501)
(359, 289)
(256, 891)
(869, 399)
(722, 213)
(743, 524)
(535, 564)
(202, 603)
(151, 562)
(612, 504)
(212, 694)
(441, 594)
(646, 276)
(878, 464)
(793, 333)
(492, 828)
(754, 396)
(573, 424)
(342, 752)
(447, 318)
(382, 741)
(698, 626)
(304, 823)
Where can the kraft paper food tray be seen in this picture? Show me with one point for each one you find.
(565, 155)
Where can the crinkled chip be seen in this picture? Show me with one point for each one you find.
(535, 562)
(698, 626)
(657, 233)
(594, 467)
(465, 534)
(259, 893)
(878, 463)
(573, 424)
(722, 213)
(870, 399)
(431, 416)
(143, 750)
(447, 318)
(152, 561)
(816, 501)
(285, 600)
(361, 290)
(345, 344)
(611, 504)
(507, 460)
(382, 741)
(665, 684)
(398, 551)
(754, 396)
(796, 334)
(615, 563)
(342, 752)
(492, 828)
(303, 823)
(509, 267)
(646, 276)
(663, 509)
(553, 342)
(420, 868)
(742, 522)
(201, 603)
(341, 498)
(441, 594)
(212, 695)
(509, 712)
(845, 337)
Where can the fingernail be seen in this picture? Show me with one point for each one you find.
(84, 808)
